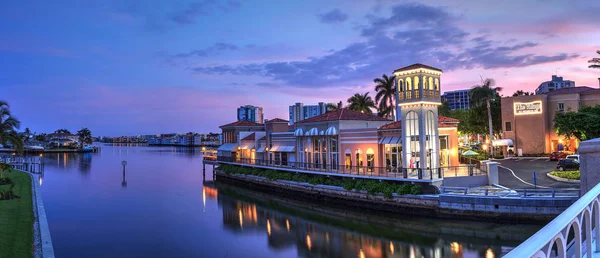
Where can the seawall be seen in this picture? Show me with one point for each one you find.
(495, 209)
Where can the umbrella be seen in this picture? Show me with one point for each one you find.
(470, 153)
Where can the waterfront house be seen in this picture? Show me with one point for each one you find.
(63, 139)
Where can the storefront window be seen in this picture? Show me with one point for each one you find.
(348, 161)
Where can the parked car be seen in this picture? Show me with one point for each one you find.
(573, 156)
(567, 164)
(557, 155)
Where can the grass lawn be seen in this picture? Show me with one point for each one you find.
(16, 218)
(574, 175)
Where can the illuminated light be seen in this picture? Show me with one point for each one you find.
(484, 147)
(40, 181)
(560, 141)
(487, 141)
(361, 254)
(305, 149)
(327, 237)
(528, 108)
(391, 248)
(419, 70)
(268, 227)
(420, 102)
(204, 198)
(388, 148)
(41, 154)
(267, 149)
(455, 247)
(308, 242)
(241, 218)
(287, 225)
(489, 253)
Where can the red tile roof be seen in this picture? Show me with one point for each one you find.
(415, 66)
(241, 123)
(277, 120)
(572, 90)
(250, 137)
(343, 114)
(442, 122)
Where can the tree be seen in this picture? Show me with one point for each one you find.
(444, 109)
(386, 92)
(334, 107)
(583, 124)
(8, 128)
(595, 62)
(62, 131)
(41, 137)
(85, 137)
(27, 134)
(522, 93)
(484, 95)
(361, 103)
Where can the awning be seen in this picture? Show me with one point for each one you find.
(261, 149)
(389, 140)
(331, 131)
(247, 146)
(228, 147)
(503, 142)
(283, 148)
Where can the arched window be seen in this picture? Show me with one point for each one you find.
(370, 159)
(437, 87)
(408, 88)
(431, 92)
(400, 89)
(412, 149)
(416, 87)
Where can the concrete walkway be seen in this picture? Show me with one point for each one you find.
(519, 173)
(42, 239)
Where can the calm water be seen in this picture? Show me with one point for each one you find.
(166, 210)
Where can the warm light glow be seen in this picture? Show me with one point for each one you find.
(560, 141)
(527, 108)
(419, 70)
(361, 254)
(241, 218)
(305, 149)
(204, 197)
(420, 102)
(287, 225)
(489, 253)
(391, 248)
(487, 141)
(40, 181)
(308, 242)
(41, 154)
(484, 147)
(268, 227)
(388, 148)
(455, 247)
(267, 149)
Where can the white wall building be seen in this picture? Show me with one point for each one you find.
(556, 83)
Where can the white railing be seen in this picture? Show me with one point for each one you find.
(577, 218)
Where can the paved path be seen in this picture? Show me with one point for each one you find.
(524, 169)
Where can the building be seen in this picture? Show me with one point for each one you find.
(528, 121)
(457, 99)
(418, 146)
(555, 84)
(250, 113)
(299, 111)
(63, 139)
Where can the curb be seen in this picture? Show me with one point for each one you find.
(564, 180)
(43, 241)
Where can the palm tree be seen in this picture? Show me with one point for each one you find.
(8, 128)
(85, 137)
(386, 92)
(522, 93)
(482, 95)
(334, 107)
(595, 62)
(361, 103)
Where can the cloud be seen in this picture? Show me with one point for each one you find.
(333, 16)
(412, 33)
(212, 50)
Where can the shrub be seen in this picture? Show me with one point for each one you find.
(415, 189)
(348, 184)
(403, 189)
(388, 191)
(5, 181)
(573, 175)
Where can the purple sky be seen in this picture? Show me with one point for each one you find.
(143, 67)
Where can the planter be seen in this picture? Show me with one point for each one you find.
(564, 180)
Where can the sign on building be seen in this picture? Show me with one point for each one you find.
(534, 107)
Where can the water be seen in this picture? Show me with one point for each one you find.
(164, 210)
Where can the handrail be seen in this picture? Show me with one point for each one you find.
(540, 244)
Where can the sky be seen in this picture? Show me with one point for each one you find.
(149, 67)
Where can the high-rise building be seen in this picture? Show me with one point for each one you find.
(556, 83)
(458, 99)
(299, 111)
(250, 113)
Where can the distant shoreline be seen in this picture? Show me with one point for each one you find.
(48, 151)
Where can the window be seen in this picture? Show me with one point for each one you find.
(561, 107)
(507, 126)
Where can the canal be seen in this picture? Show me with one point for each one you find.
(164, 208)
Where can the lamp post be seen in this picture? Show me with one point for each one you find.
(124, 182)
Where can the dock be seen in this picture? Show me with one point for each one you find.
(28, 164)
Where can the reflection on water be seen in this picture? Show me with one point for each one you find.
(168, 210)
(290, 229)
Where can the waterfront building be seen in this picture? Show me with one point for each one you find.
(62, 139)
(418, 144)
(250, 113)
(299, 111)
(528, 121)
(457, 99)
(556, 83)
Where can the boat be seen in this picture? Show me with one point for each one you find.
(33, 147)
(88, 148)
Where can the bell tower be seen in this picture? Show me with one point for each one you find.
(418, 98)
